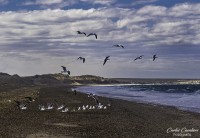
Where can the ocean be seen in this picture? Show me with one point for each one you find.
(183, 97)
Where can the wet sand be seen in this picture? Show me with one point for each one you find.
(122, 119)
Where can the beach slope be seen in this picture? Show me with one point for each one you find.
(121, 119)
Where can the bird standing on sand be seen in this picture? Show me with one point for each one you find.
(41, 108)
(154, 57)
(105, 60)
(81, 58)
(118, 45)
(75, 92)
(65, 110)
(79, 32)
(65, 70)
(49, 106)
(92, 34)
(20, 105)
(30, 99)
(140, 57)
(61, 107)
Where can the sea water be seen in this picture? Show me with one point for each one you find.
(184, 97)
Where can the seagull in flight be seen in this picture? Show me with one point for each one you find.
(81, 58)
(92, 34)
(154, 57)
(106, 59)
(79, 32)
(65, 70)
(94, 97)
(140, 57)
(118, 45)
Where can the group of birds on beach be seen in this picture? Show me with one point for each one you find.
(106, 58)
(23, 105)
(62, 107)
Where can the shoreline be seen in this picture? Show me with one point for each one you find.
(121, 119)
(138, 101)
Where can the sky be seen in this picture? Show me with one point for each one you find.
(38, 36)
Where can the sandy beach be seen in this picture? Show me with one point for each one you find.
(122, 119)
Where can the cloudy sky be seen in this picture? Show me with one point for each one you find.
(38, 36)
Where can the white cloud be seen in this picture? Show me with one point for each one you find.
(52, 4)
(43, 2)
(48, 2)
(50, 35)
(152, 10)
(102, 2)
(139, 2)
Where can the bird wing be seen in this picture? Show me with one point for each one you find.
(154, 57)
(83, 60)
(68, 72)
(96, 99)
(64, 68)
(84, 33)
(89, 34)
(136, 58)
(116, 45)
(78, 58)
(95, 35)
(105, 60)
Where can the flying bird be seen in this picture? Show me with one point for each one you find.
(154, 57)
(140, 57)
(92, 34)
(118, 45)
(79, 32)
(81, 58)
(65, 70)
(106, 59)
(94, 97)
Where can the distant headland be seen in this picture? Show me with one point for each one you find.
(64, 79)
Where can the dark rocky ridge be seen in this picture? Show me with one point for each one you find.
(52, 79)
(63, 79)
(6, 79)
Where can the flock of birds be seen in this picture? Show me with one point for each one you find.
(106, 59)
(63, 108)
